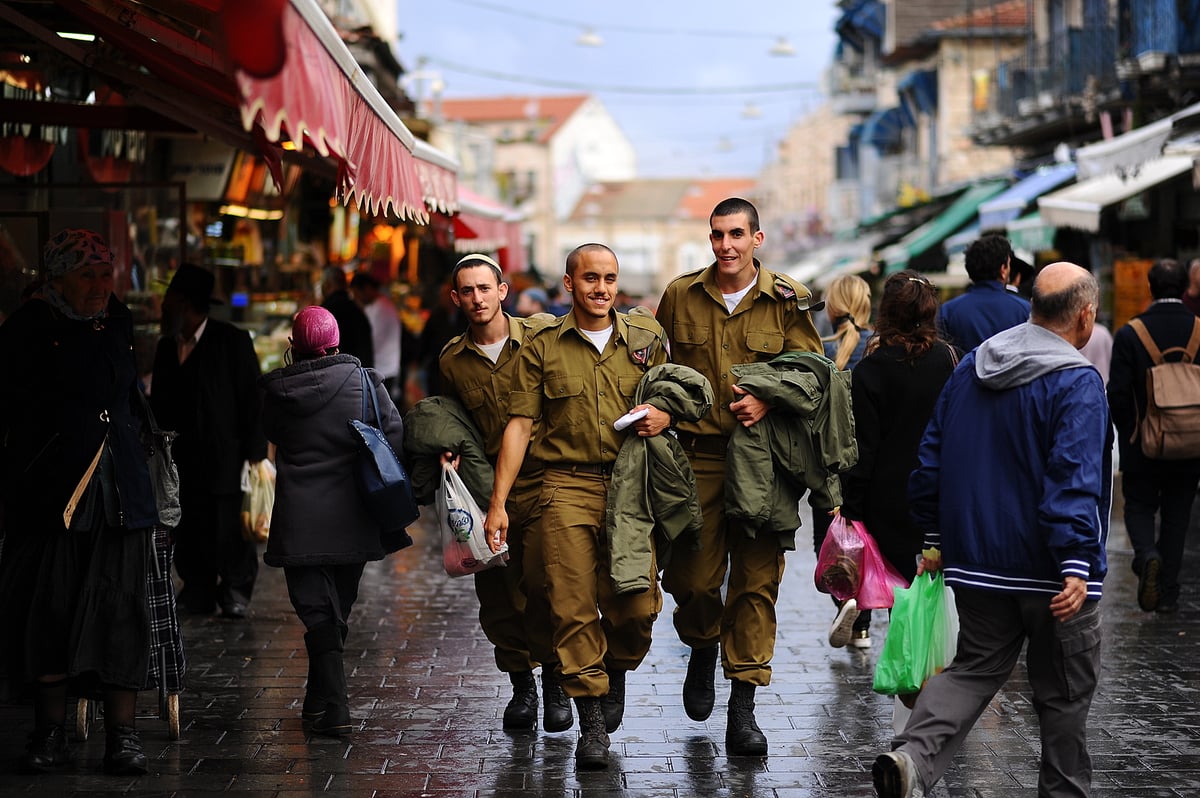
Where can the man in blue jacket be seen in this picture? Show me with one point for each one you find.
(1021, 534)
(987, 307)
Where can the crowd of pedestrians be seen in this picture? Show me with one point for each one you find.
(973, 439)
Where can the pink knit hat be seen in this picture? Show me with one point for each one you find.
(314, 332)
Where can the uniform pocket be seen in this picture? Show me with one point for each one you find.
(563, 387)
(628, 386)
(691, 334)
(1079, 650)
(766, 342)
(474, 398)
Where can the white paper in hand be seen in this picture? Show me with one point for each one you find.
(630, 418)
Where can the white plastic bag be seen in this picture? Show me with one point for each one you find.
(258, 500)
(464, 541)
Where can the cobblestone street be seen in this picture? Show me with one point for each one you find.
(425, 691)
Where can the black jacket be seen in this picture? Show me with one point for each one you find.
(893, 400)
(354, 329)
(319, 516)
(62, 379)
(212, 401)
(1170, 325)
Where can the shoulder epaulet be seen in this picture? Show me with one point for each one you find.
(455, 342)
(538, 321)
(788, 289)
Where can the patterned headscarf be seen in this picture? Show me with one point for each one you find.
(73, 249)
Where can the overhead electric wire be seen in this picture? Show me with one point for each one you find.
(617, 89)
(617, 26)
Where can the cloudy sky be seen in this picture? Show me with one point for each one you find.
(677, 75)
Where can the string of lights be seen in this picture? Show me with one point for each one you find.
(556, 83)
(622, 27)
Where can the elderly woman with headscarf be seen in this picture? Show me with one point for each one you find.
(79, 505)
(321, 533)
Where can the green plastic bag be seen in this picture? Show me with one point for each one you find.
(921, 637)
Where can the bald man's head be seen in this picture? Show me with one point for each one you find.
(1065, 299)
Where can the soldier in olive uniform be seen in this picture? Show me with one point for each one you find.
(477, 368)
(734, 311)
(578, 375)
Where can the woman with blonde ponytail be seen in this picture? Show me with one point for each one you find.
(848, 305)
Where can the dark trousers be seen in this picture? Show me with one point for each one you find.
(1168, 489)
(216, 564)
(1062, 662)
(323, 594)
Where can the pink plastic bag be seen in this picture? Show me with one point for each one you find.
(840, 561)
(879, 577)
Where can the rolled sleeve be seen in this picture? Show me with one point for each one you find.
(525, 404)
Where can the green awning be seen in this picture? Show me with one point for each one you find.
(942, 226)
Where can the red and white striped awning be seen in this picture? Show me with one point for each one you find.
(322, 98)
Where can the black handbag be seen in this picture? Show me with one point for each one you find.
(382, 480)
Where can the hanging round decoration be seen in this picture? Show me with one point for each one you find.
(254, 35)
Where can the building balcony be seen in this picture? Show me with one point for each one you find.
(852, 88)
(1047, 90)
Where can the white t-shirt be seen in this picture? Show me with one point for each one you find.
(385, 336)
(493, 350)
(732, 300)
(599, 338)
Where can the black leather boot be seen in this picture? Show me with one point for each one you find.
(321, 638)
(522, 709)
(123, 753)
(699, 694)
(325, 660)
(591, 753)
(742, 735)
(47, 751)
(613, 703)
(556, 707)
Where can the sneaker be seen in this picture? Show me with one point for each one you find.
(843, 624)
(861, 638)
(1149, 593)
(895, 776)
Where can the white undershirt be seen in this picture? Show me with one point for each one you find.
(599, 338)
(493, 350)
(732, 300)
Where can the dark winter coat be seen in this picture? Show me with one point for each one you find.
(893, 401)
(319, 517)
(67, 383)
(212, 402)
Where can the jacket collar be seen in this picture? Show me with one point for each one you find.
(706, 280)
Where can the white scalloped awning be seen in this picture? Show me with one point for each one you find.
(322, 98)
(1080, 205)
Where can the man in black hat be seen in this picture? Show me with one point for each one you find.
(204, 388)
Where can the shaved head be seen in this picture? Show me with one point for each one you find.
(1065, 299)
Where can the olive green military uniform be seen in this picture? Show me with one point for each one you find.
(517, 626)
(578, 393)
(771, 318)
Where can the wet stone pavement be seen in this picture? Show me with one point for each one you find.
(428, 700)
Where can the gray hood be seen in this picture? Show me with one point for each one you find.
(1021, 354)
(305, 387)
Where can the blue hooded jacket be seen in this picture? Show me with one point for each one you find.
(1014, 474)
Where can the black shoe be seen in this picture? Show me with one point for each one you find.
(522, 709)
(742, 735)
(234, 609)
(334, 721)
(699, 693)
(591, 753)
(556, 707)
(1149, 591)
(46, 752)
(613, 703)
(123, 754)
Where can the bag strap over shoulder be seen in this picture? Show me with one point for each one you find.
(1144, 336)
(1188, 352)
(368, 390)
